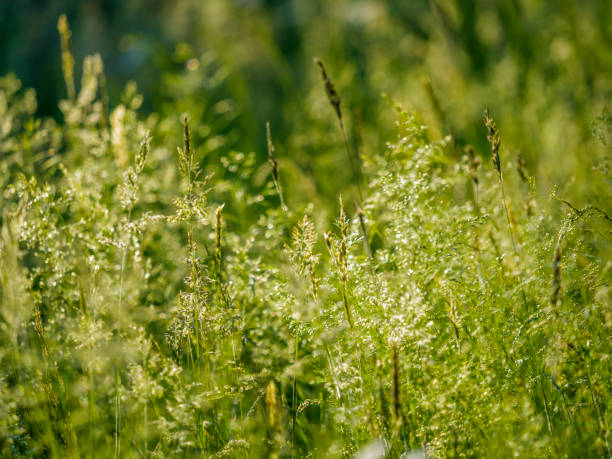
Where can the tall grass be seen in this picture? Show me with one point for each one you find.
(146, 312)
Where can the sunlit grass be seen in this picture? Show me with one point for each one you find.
(155, 303)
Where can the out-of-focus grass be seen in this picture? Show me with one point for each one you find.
(543, 69)
(164, 303)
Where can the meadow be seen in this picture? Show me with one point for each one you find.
(394, 265)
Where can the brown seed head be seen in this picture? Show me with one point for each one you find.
(332, 95)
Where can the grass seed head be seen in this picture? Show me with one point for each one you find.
(521, 168)
(494, 140)
(143, 153)
(332, 95)
(67, 59)
(272, 404)
(186, 154)
(473, 164)
(274, 165)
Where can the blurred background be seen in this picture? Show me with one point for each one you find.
(543, 68)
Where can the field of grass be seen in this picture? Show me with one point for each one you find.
(389, 276)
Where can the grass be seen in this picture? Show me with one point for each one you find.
(156, 304)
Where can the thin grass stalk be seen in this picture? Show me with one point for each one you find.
(195, 305)
(602, 422)
(195, 282)
(91, 400)
(586, 211)
(146, 406)
(521, 168)
(364, 231)
(187, 150)
(494, 139)
(384, 407)
(90, 392)
(334, 255)
(219, 254)
(343, 261)
(340, 256)
(556, 280)
(473, 166)
(332, 370)
(294, 401)
(140, 161)
(117, 370)
(335, 101)
(353, 157)
(545, 400)
(440, 114)
(49, 373)
(186, 161)
(218, 236)
(397, 405)
(103, 96)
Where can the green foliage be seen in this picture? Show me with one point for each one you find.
(162, 304)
